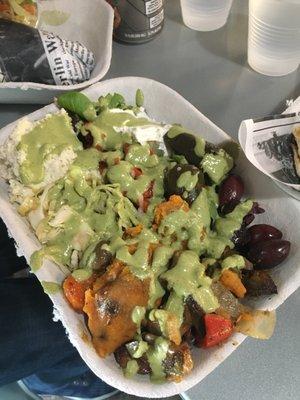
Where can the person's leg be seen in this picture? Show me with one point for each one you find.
(30, 340)
(9, 262)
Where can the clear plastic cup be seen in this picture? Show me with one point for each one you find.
(205, 15)
(274, 36)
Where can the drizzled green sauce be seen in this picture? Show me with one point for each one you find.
(49, 137)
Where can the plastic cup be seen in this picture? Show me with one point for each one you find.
(274, 36)
(205, 15)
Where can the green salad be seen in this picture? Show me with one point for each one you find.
(150, 226)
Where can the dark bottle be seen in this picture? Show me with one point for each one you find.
(137, 21)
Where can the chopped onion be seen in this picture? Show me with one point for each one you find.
(258, 324)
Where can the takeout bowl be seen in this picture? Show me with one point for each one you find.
(164, 104)
(90, 22)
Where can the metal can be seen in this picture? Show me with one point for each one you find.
(137, 21)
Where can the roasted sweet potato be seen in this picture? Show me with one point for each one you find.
(75, 291)
(232, 281)
(174, 203)
(109, 305)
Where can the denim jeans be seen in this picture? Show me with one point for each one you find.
(30, 341)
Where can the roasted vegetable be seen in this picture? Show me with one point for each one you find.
(103, 258)
(232, 281)
(230, 307)
(122, 357)
(258, 283)
(197, 323)
(178, 362)
(185, 181)
(173, 204)
(75, 291)
(217, 329)
(257, 323)
(109, 305)
(265, 255)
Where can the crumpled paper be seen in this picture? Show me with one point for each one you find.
(164, 104)
(267, 144)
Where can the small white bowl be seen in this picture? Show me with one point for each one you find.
(89, 22)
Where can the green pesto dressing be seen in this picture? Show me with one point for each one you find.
(234, 261)
(199, 148)
(137, 349)
(88, 159)
(131, 369)
(81, 274)
(51, 287)
(217, 165)
(137, 316)
(175, 305)
(104, 128)
(137, 262)
(121, 174)
(48, 137)
(139, 155)
(187, 180)
(162, 317)
(190, 271)
(232, 222)
(161, 257)
(156, 355)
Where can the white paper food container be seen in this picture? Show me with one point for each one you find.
(90, 22)
(164, 104)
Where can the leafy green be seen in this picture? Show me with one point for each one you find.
(79, 104)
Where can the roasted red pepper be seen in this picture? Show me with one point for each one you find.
(136, 172)
(217, 329)
(147, 195)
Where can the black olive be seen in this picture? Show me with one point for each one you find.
(171, 179)
(269, 254)
(184, 145)
(103, 258)
(86, 140)
(230, 193)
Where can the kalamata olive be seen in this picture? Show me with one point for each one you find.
(263, 232)
(268, 254)
(103, 257)
(230, 193)
(171, 182)
(184, 145)
(256, 209)
(241, 237)
(248, 219)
